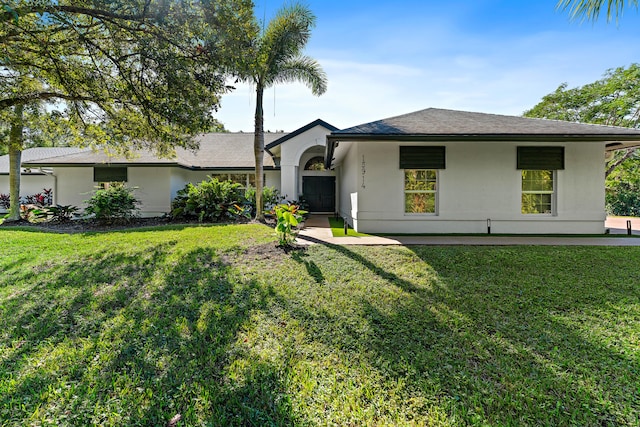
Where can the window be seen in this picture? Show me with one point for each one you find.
(243, 179)
(540, 158)
(422, 157)
(105, 174)
(315, 164)
(420, 191)
(538, 191)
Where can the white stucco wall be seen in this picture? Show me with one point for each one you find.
(29, 184)
(480, 182)
(348, 185)
(153, 189)
(75, 185)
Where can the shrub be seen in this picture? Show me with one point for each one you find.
(210, 200)
(270, 197)
(114, 203)
(58, 213)
(45, 198)
(288, 216)
(623, 199)
(4, 201)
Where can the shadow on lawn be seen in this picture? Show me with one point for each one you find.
(112, 340)
(501, 353)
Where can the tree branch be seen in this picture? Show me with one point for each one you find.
(40, 96)
(615, 163)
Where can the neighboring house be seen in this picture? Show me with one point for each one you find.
(443, 171)
(432, 171)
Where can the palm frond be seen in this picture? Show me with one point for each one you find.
(305, 70)
(286, 36)
(590, 9)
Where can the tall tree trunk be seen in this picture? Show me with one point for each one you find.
(258, 150)
(15, 161)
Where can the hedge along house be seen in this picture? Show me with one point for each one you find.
(443, 171)
(288, 159)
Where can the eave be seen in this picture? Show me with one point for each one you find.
(614, 142)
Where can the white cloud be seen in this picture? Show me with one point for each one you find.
(436, 67)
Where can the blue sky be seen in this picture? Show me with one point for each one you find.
(389, 58)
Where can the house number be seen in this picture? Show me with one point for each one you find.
(364, 171)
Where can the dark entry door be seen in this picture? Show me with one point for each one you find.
(319, 192)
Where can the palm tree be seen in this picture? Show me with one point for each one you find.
(590, 9)
(277, 57)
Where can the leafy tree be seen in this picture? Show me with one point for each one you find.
(613, 100)
(276, 57)
(590, 9)
(126, 74)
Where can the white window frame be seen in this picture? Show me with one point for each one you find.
(434, 192)
(553, 193)
(226, 176)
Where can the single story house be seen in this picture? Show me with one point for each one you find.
(431, 171)
(74, 173)
(443, 171)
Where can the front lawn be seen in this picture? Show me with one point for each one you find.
(216, 325)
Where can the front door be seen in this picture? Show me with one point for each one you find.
(320, 193)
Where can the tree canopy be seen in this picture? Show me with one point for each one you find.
(122, 74)
(130, 73)
(613, 100)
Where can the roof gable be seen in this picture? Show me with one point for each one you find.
(303, 129)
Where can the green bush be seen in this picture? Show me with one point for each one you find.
(210, 200)
(57, 213)
(270, 197)
(215, 200)
(113, 204)
(623, 199)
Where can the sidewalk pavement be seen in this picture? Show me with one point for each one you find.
(316, 230)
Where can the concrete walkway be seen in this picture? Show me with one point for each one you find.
(316, 230)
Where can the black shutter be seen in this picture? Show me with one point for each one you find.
(540, 158)
(109, 174)
(416, 157)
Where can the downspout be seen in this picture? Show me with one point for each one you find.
(54, 201)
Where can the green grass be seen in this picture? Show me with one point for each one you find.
(337, 229)
(132, 328)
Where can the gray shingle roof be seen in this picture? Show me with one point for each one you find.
(217, 151)
(439, 122)
(35, 154)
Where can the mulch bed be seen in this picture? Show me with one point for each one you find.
(88, 225)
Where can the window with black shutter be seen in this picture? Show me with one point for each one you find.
(109, 174)
(420, 157)
(540, 158)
